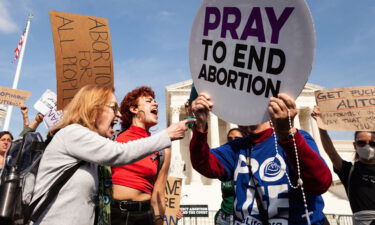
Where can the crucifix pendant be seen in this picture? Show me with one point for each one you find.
(307, 215)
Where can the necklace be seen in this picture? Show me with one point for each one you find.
(299, 180)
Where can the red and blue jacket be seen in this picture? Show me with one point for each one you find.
(283, 204)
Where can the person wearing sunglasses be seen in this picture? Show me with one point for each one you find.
(358, 178)
(138, 188)
(82, 139)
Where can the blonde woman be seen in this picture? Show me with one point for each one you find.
(83, 136)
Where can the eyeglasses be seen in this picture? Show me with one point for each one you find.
(361, 143)
(114, 106)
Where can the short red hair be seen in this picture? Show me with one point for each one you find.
(131, 99)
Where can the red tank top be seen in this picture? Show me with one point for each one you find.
(140, 175)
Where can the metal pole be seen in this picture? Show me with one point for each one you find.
(18, 71)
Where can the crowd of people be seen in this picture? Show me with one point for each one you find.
(270, 173)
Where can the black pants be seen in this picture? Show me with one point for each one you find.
(122, 216)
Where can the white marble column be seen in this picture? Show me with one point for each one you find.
(305, 119)
(213, 131)
(314, 127)
(177, 164)
(296, 120)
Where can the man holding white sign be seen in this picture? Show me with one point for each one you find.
(244, 53)
(277, 170)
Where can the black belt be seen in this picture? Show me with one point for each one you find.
(126, 205)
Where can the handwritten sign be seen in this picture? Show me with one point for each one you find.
(46, 102)
(195, 210)
(52, 117)
(172, 200)
(351, 108)
(15, 97)
(83, 53)
(244, 52)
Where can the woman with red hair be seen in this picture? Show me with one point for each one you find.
(138, 188)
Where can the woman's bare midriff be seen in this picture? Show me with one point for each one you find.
(126, 193)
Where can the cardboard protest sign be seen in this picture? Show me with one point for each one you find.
(46, 102)
(83, 53)
(351, 108)
(172, 200)
(15, 97)
(243, 52)
(52, 117)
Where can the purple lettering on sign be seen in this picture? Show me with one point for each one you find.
(277, 24)
(254, 26)
(258, 31)
(211, 26)
(231, 27)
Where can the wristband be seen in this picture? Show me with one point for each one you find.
(190, 124)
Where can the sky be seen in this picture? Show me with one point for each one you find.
(150, 45)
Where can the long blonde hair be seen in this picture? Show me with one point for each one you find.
(84, 108)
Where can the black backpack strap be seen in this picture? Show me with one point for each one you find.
(51, 194)
(161, 159)
(262, 211)
(258, 198)
(161, 156)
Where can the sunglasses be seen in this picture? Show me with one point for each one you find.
(360, 143)
(114, 106)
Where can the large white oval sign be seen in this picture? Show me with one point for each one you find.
(242, 52)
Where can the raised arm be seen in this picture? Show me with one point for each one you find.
(328, 146)
(24, 110)
(315, 174)
(38, 119)
(202, 160)
(84, 144)
(27, 126)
